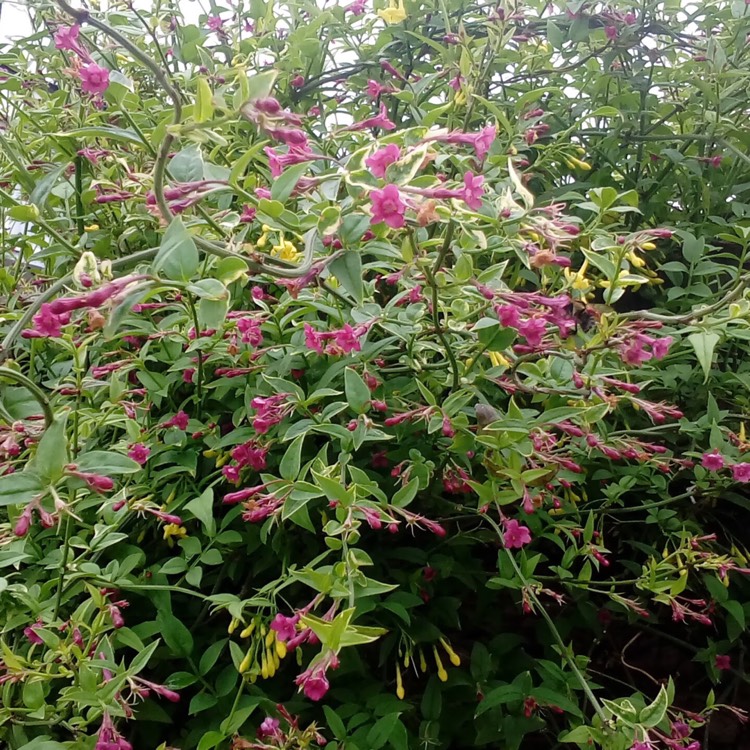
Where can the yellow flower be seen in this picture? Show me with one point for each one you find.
(173, 530)
(452, 655)
(91, 228)
(399, 682)
(498, 360)
(578, 279)
(248, 631)
(441, 673)
(285, 250)
(648, 246)
(393, 13)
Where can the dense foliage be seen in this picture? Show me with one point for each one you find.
(375, 376)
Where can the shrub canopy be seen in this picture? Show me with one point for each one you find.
(374, 376)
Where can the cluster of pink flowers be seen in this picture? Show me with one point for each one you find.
(313, 681)
(109, 738)
(179, 420)
(94, 78)
(269, 411)
(340, 342)
(715, 461)
(481, 142)
(640, 348)
(531, 313)
(250, 454)
(52, 316)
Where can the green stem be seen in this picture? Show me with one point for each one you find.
(34, 389)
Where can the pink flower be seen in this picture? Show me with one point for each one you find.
(285, 627)
(313, 339)
(375, 89)
(611, 33)
(31, 635)
(741, 472)
(66, 38)
(297, 82)
(47, 323)
(109, 738)
(188, 374)
(263, 192)
(473, 190)
(250, 330)
(346, 340)
(484, 140)
(357, 8)
(660, 347)
(94, 79)
(723, 662)
(269, 728)
(214, 23)
(388, 207)
(378, 121)
(508, 315)
(533, 329)
(382, 158)
(712, 461)
(139, 453)
(315, 685)
(179, 420)
(516, 535)
(248, 214)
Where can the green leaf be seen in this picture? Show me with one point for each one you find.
(24, 213)
(178, 256)
(381, 731)
(348, 270)
(704, 343)
(175, 634)
(101, 131)
(210, 656)
(653, 714)
(329, 221)
(229, 270)
(290, 462)
(285, 183)
(357, 392)
(202, 508)
(52, 452)
(187, 165)
(19, 488)
(406, 493)
(333, 489)
(335, 724)
(260, 86)
(493, 336)
(203, 109)
(107, 462)
(498, 696)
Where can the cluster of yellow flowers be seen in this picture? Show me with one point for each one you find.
(406, 655)
(265, 652)
(284, 249)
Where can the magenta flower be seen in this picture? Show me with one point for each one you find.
(47, 323)
(249, 329)
(346, 340)
(741, 472)
(533, 329)
(388, 207)
(94, 79)
(139, 453)
(179, 420)
(315, 684)
(375, 89)
(313, 339)
(611, 32)
(723, 662)
(32, 637)
(378, 121)
(109, 738)
(712, 461)
(263, 192)
(297, 82)
(382, 159)
(269, 728)
(516, 534)
(484, 140)
(285, 627)
(473, 190)
(214, 23)
(66, 38)
(357, 8)
(660, 347)
(248, 214)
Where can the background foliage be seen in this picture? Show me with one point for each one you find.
(375, 375)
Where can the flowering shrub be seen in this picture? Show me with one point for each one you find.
(374, 376)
